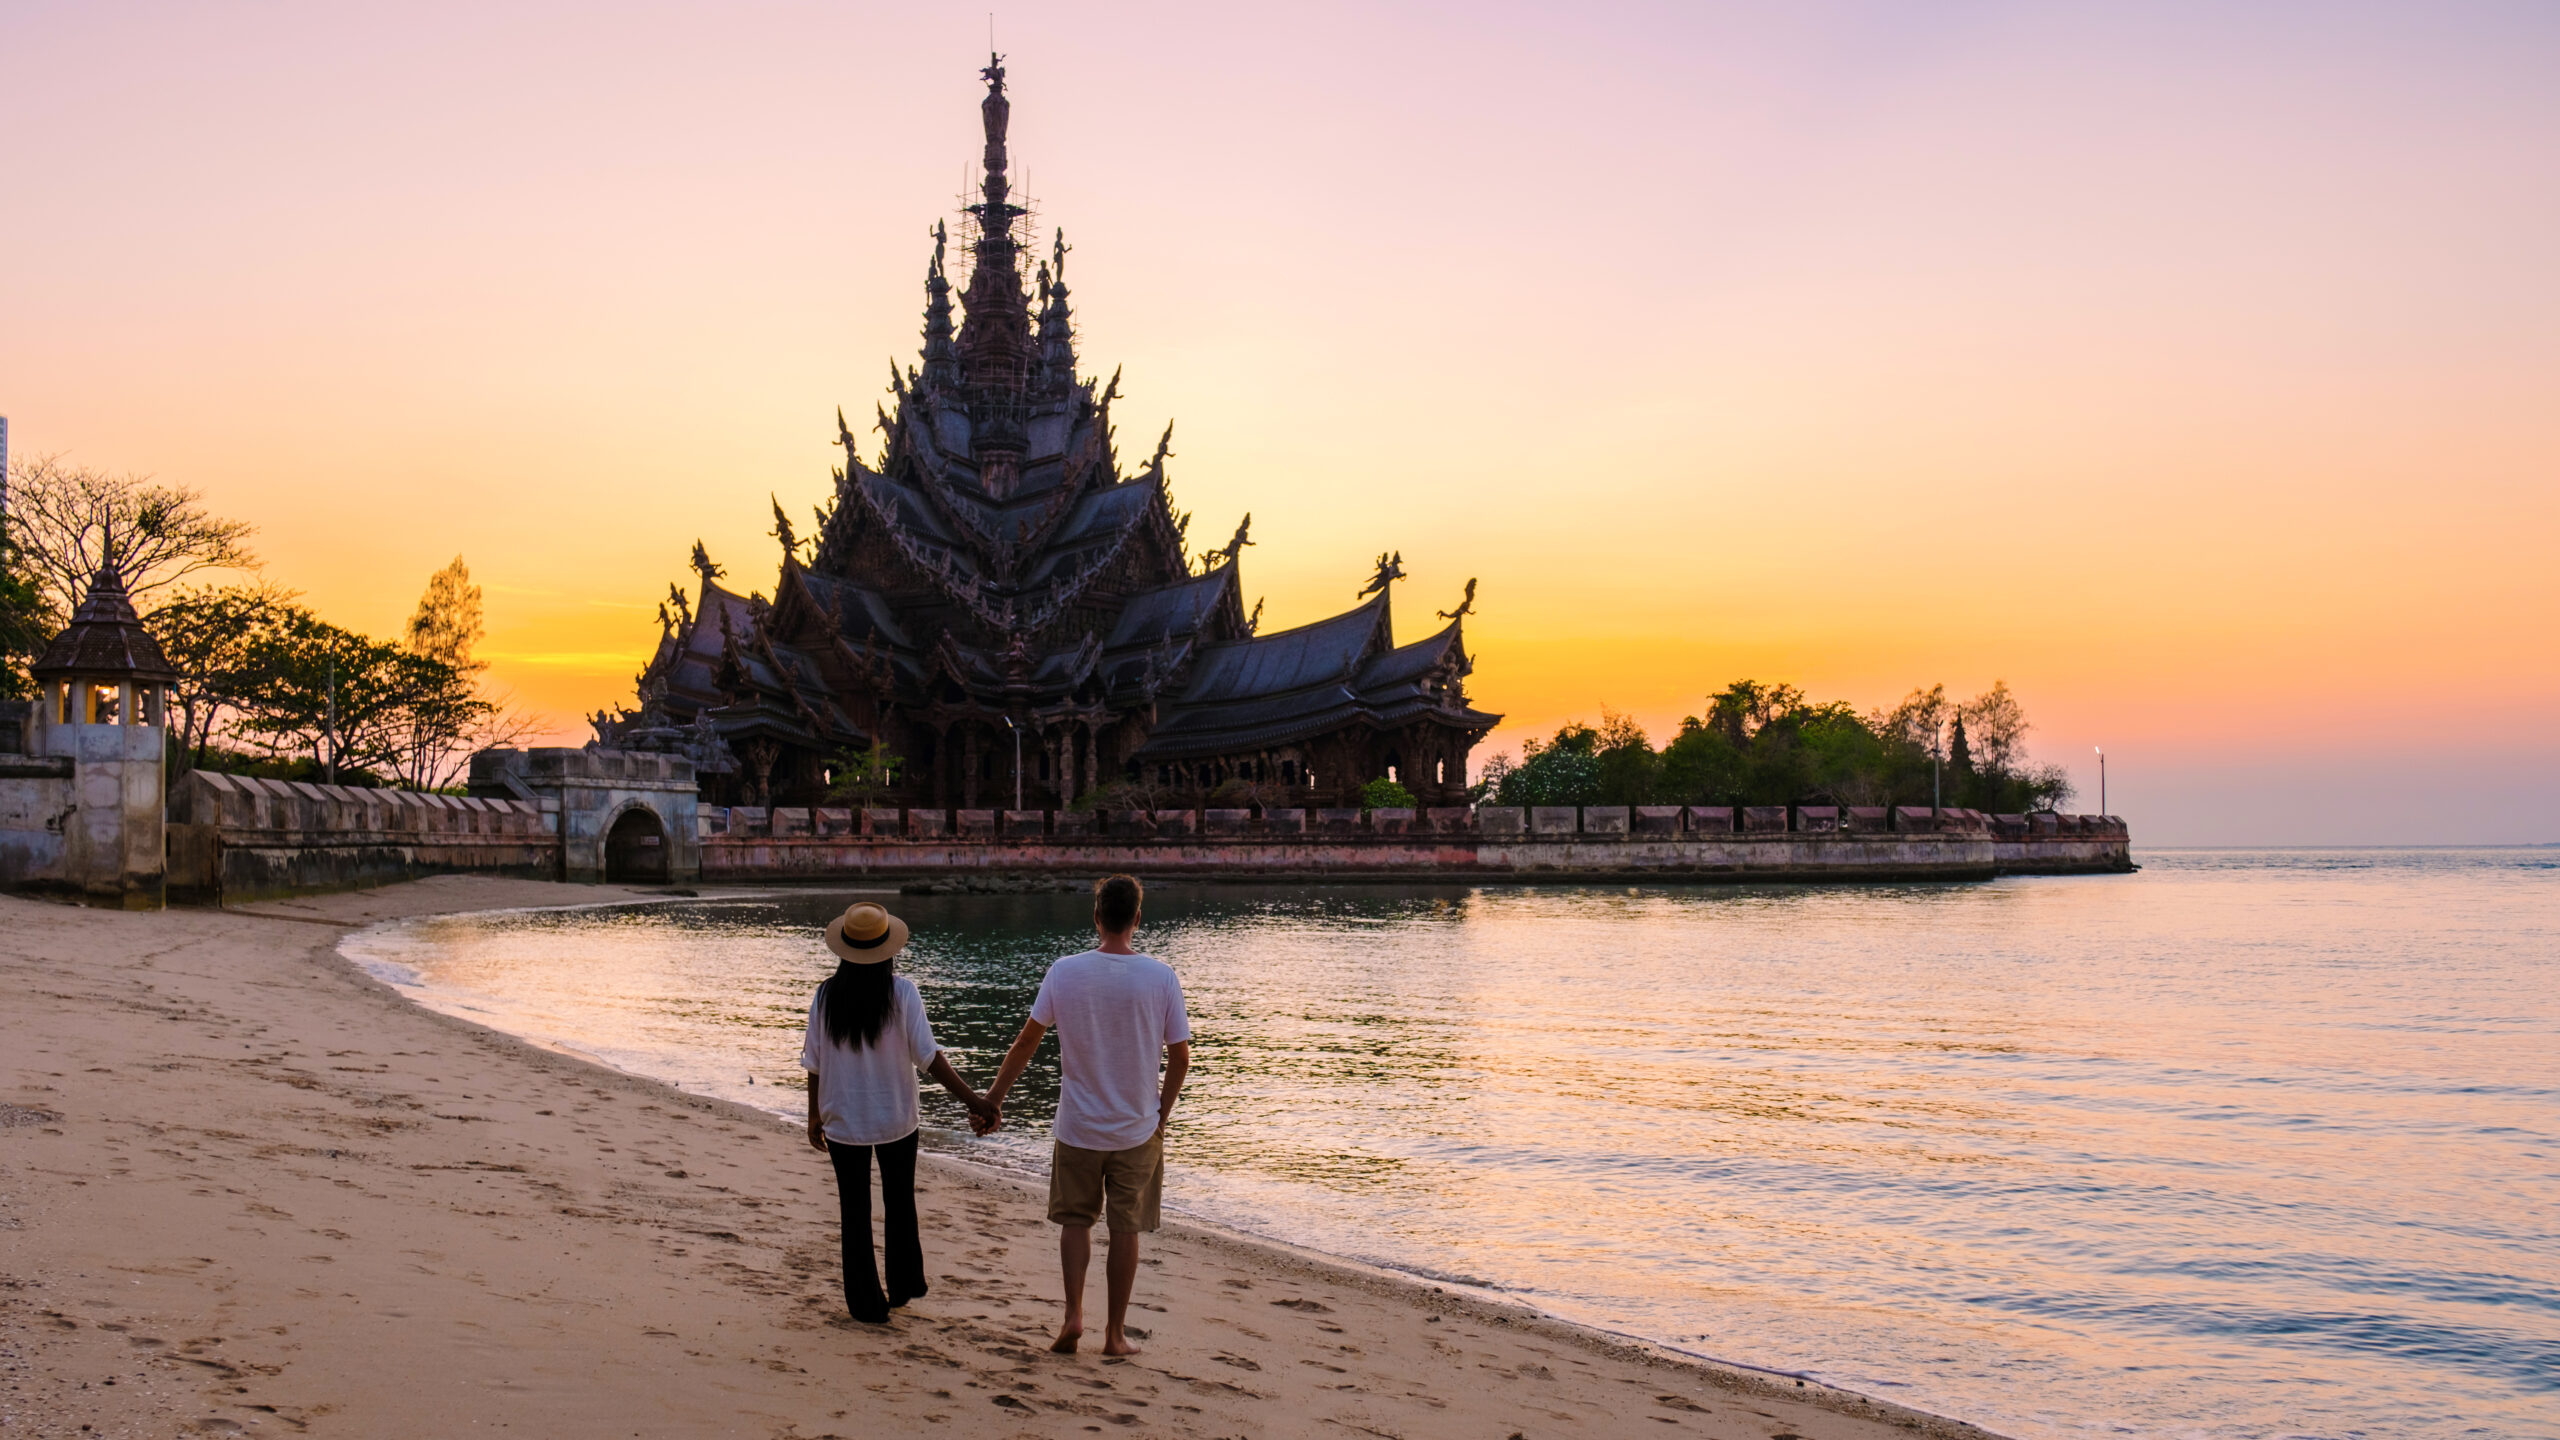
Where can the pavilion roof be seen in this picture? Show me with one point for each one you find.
(106, 638)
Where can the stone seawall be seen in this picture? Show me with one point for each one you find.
(39, 802)
(233, 839)
(237, 838)
(755, 846)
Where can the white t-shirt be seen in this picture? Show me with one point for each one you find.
(868, 1096)
(1114, 1015)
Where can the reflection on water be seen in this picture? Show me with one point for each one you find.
(2247, 1144)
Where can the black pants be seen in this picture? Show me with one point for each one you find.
(898, 1203)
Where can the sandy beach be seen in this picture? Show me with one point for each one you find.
(245, 1188)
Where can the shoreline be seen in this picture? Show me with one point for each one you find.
(207, 1184)
(947, 1146)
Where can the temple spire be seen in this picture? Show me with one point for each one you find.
(1057, 323)
(941, 368)
(995, 335)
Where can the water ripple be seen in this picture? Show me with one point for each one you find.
(2255, 1143)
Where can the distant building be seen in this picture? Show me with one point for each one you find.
(996, 574)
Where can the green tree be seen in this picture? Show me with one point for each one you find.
(212, 634)
(1770, 744)
(447, 622)
(1999, 728)
(2001, 780)
(1564, 771)
(25, 622)
(1385, 794)
(1702, 766)
(1911, 733)
(1629, 770)
(451, 716)
(1746, 707)
(354, 706)
(865, 777)
(1961, 781)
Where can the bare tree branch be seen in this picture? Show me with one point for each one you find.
(71, 520)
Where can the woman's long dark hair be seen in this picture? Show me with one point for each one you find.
(857, 1000)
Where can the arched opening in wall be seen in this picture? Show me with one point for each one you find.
(635, 849)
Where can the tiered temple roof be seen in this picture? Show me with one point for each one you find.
(994, 576)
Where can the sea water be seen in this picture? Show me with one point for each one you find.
(2245, 1144)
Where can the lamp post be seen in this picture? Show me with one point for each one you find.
(331, 732)
(2102, 777)
(1017, 760)
(1937, 796)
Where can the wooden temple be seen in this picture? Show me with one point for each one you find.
(995, 580)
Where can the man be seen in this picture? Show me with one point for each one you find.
(1118, 1014)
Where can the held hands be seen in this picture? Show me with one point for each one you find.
(985, 1115)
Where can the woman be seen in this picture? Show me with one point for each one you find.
(867, 1039)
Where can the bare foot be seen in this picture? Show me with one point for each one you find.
(1114, 1343)
(1065, 1344)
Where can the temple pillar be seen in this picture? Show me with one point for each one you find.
(1066, 766)
(969, 761)
(1092, 759)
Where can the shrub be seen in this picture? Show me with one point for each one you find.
(1385, 794)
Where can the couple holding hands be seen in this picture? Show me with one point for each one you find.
(1124, 1046)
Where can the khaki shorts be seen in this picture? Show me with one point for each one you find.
(1133, 1179)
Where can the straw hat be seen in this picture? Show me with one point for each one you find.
(866, 934)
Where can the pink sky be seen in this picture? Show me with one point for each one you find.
(2196, 369)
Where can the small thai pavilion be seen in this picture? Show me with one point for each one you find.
(102, 695)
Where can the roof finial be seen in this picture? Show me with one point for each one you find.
(1390, 570)
(1465, 605)
(1234, 549)
(995, 111)
(782, 531)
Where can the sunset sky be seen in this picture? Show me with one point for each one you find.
(2193, 368)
